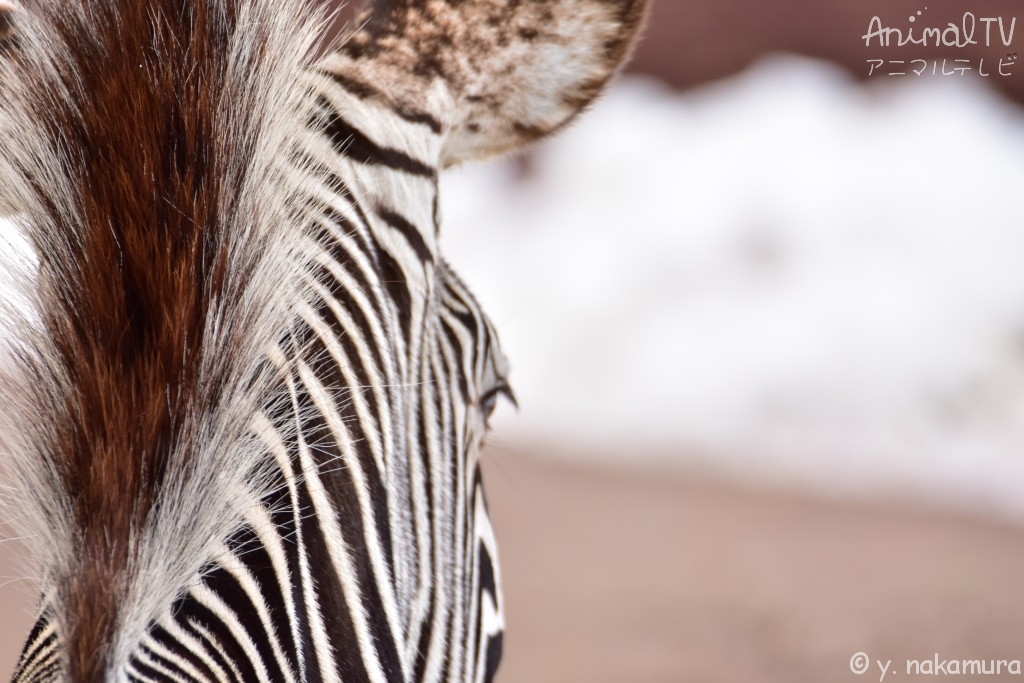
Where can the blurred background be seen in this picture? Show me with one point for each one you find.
(764, 307)
(765, 316)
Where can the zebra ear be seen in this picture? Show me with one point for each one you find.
(493, 74)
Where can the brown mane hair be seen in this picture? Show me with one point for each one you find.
(156, 214)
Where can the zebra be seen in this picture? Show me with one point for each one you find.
(243, 393)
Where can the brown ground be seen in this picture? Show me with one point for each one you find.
(627, 577)
(647, 578)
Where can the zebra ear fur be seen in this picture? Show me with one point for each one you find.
(495, 74)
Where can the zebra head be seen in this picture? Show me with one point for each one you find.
(244, 394)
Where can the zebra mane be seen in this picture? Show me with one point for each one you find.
(151, 172)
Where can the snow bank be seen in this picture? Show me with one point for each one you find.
(786, 275)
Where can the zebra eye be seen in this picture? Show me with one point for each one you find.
(489, 399)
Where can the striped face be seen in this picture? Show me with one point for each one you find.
(342, 534)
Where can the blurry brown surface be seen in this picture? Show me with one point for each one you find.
(691, 42)
(628, 577)
(624, 577)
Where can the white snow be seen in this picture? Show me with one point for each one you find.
(786, 275)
